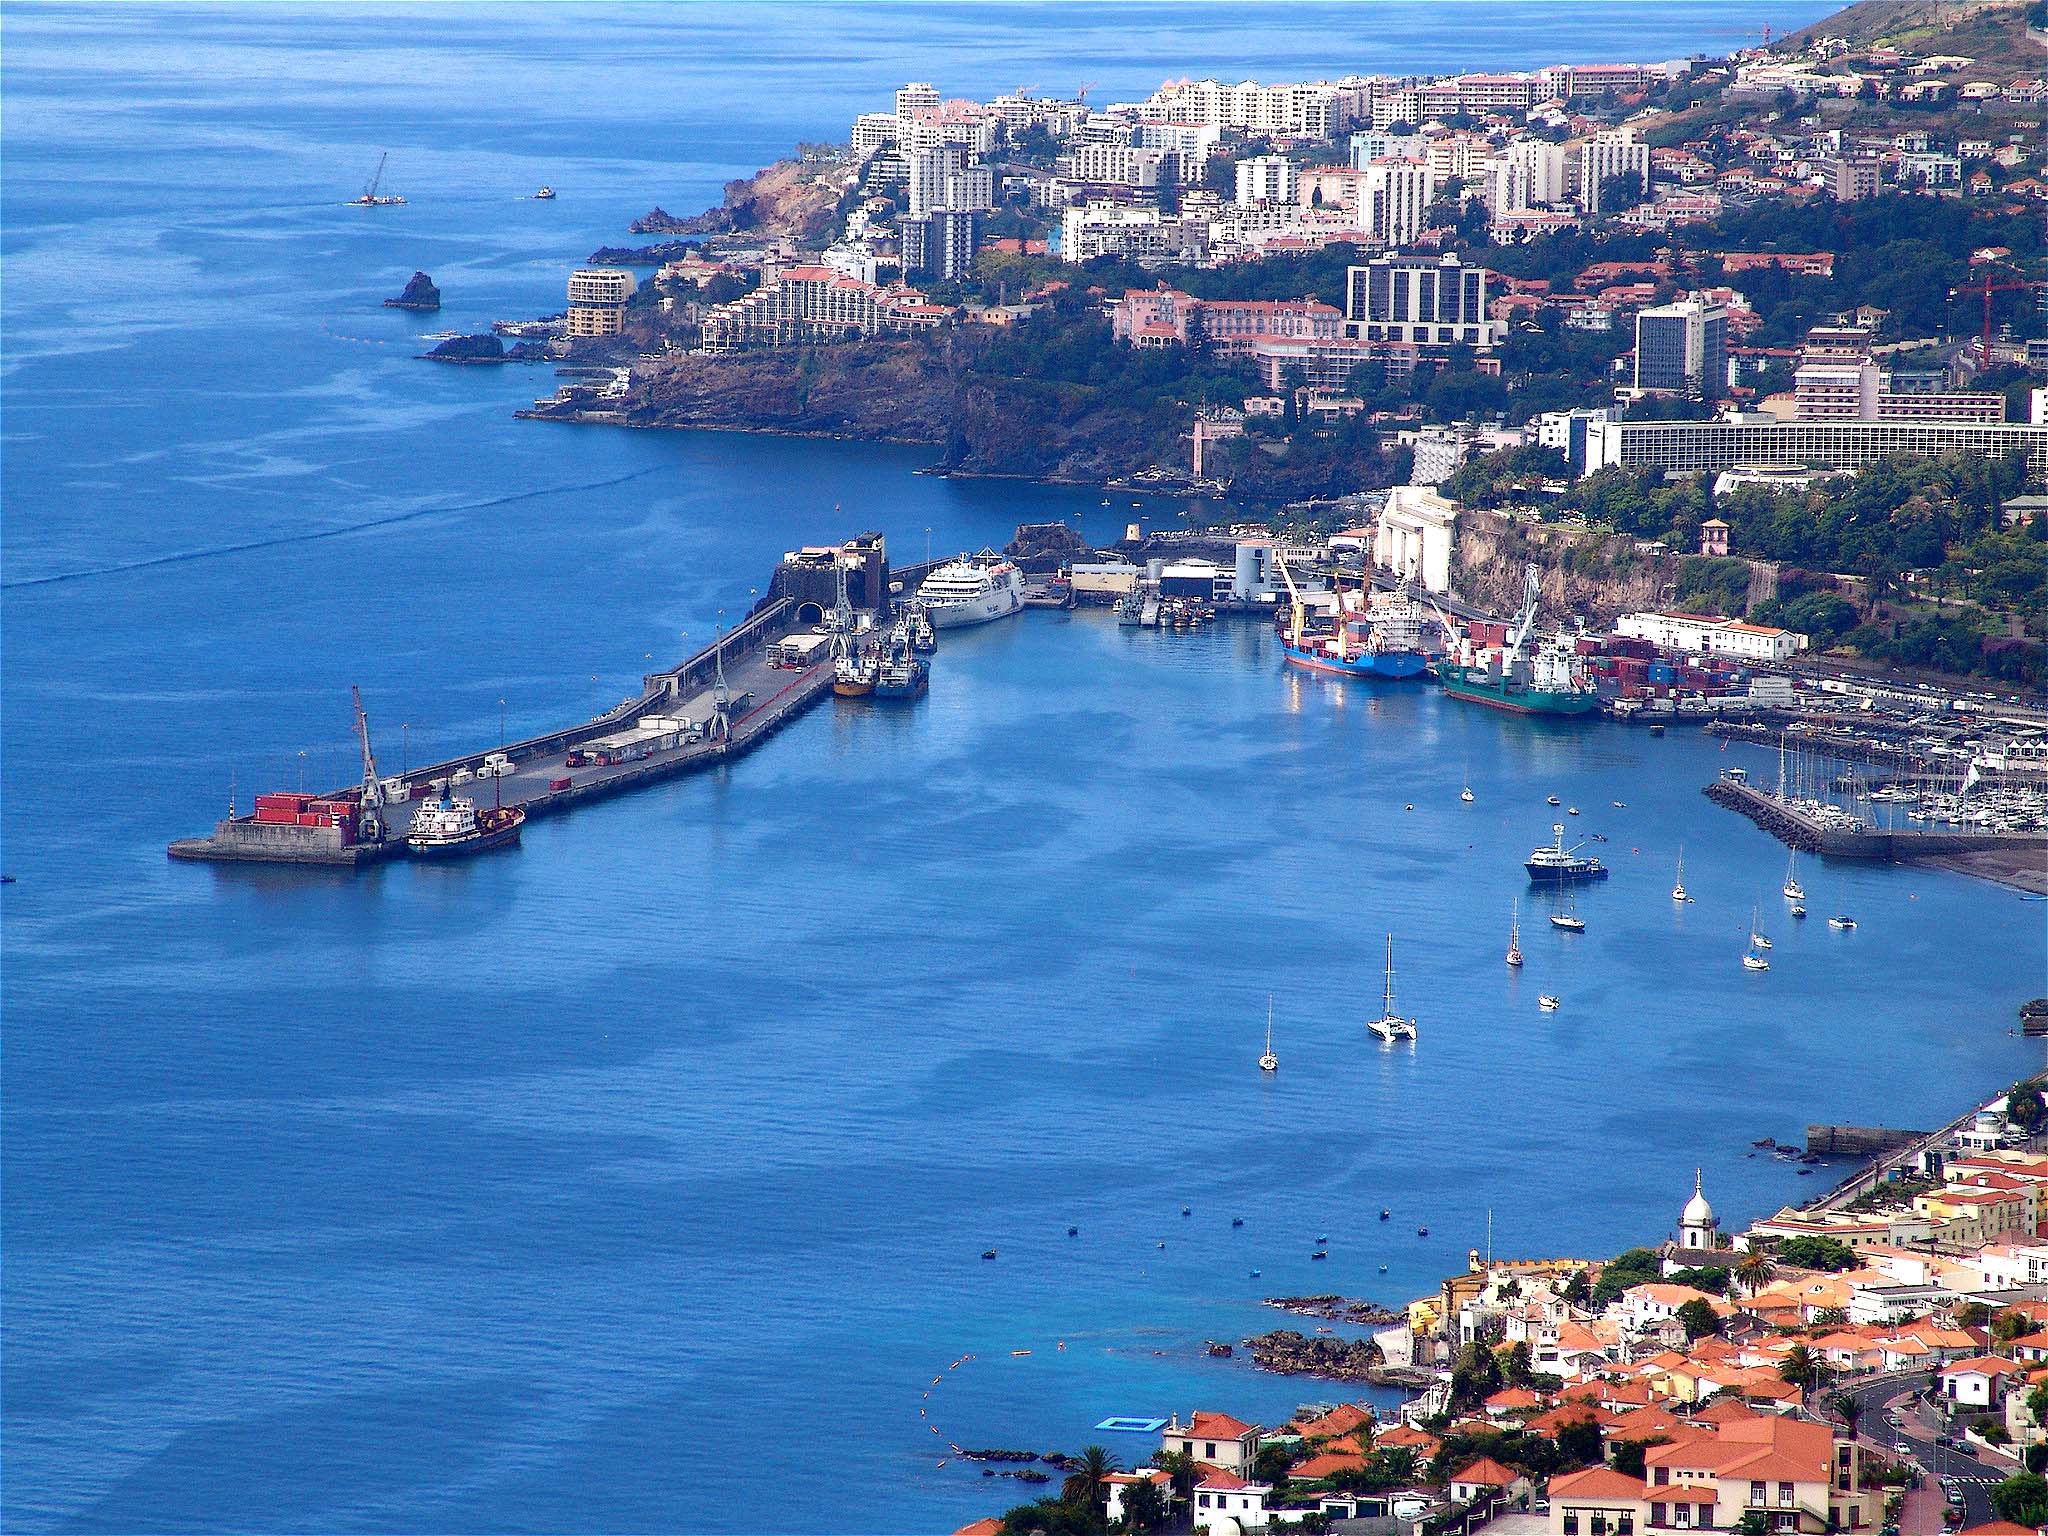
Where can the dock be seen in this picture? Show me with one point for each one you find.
(1796, 829)
(713, 707)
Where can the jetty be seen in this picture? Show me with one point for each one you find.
(1797, 828)
(714, 706)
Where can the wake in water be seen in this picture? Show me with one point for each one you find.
(186, 556)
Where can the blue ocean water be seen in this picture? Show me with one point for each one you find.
(638, 1180)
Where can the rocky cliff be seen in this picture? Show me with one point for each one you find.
(785, 198)
(1595, 574)
(420, 293)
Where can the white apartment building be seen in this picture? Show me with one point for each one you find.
(1370, 144)
(1266, 179)
(1190, 143)
(1394, 202)
(1143, 234)
(1549, 172)
(597, 300)
(1691, 446)
(925, 187)
(1420, 300)
(1119, 165)
(1310, 109)
(1605, 155)
(919, 93)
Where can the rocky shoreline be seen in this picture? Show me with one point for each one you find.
(1336, 1309)
(1285, 1352)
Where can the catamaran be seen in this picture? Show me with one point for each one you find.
(1390, 1026)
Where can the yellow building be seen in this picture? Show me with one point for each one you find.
(597, 300)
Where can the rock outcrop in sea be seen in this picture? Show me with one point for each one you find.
(485, 348)
(1296, 1354)
(420, 293)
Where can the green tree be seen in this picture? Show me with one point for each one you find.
(1848, 1409)
(1144, 1507)
(1752, 1524)
(1088, 1484)
(1271, 1464)
(1698, 1318)
(1579, 1442)
(2008, 1326)
(1828, 1253)
(2025, 1108)
(2022, 1499)
(1754, 1270)
(1799, 1366)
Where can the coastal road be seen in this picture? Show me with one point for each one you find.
(1916, 1428)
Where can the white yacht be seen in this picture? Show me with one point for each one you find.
(1390, 1026)
(1269, 1062)
(972, 591)
(1678, 885)
(1794, 891)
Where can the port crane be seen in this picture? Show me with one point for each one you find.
(370, 824)
(1297, 621)
(1985, 286)
(719, 726)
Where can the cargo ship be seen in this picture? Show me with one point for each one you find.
(902, 673)
(453, 828)
(1376, 637)
(1544, 678)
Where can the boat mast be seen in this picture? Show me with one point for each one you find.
(1390, 977)
(377, 180)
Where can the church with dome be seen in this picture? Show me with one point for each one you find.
(1698, 1243)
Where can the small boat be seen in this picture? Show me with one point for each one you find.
(1390, 1026)
(1547, 1003)
(1322, 1239)
(1571, 810)
(1515, 937)
(1842, 922)
(1187, 1210)
(544, 195)
(1237, 1221)
(1799, 909)
(1678, 885)
(1465, 794)
(1656, 730)
(1621, 805)
(1385, 1213)
(1073, 1231)
(1793, 890)
(1319, 1254)
(1422, 1231)
(1569, 921)
(1552, 800)
(1268, 1062)
(988, 1253)
(1383, 1269)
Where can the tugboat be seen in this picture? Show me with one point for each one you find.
(902, 674)
(453, 828)
(1554, 864)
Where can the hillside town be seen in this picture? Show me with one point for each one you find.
(1621, 303)
(1874, 1361)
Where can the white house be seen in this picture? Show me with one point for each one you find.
(1227, 1505)
(1975, 1383)
(1214, 1438)
(1697, 634)
(1120, 1481)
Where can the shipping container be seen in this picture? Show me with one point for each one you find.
(1662, 672)
(561, 783)
(276, 815)
(282, 802)
(1587, 645)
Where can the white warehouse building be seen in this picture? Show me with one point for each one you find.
(1700, 634)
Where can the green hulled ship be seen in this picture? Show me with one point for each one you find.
(1545, 679)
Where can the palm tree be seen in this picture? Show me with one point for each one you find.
(1088, 1483)
(1144, 1506)
(1754, 1270)
(1848, 1409)
(1798, 1366)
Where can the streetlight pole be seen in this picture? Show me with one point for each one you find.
(302, 770)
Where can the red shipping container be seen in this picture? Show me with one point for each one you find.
(312, 819)
(293, 803)
(558, 783)
(1587, 645)
(274, 814)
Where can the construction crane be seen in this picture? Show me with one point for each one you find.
(1985, 287)
(1081, 96)
(1532, 598)
(370, 819)
(370, 199)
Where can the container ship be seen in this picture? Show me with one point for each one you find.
(1371, 637)
(1545, 677)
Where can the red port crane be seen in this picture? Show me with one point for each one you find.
(1986, 286)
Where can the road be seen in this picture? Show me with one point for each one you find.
(1973, 1477)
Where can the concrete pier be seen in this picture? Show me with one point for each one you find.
(1798, 830)
(763, 698)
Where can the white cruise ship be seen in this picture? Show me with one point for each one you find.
(971, 591)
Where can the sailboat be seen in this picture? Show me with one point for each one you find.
(1568, 920)
(1794, 891)
(1757, 938)
(1515, 937)
(1753, 959)
(1465, 794)
(1678, 885)
(1269, 1062)
(1390, 1026)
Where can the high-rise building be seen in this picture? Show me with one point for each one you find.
(1607, 155)
(597, 300)
(1682, 348)
(925, 186)
(1266, 179)
(1394, 203)
(1421, 301)
(1855, 180)
(918, 93)
(939, 244)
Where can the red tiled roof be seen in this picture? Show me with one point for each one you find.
(1216, 1426)
(1487, 1470)
(1596, 1483)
